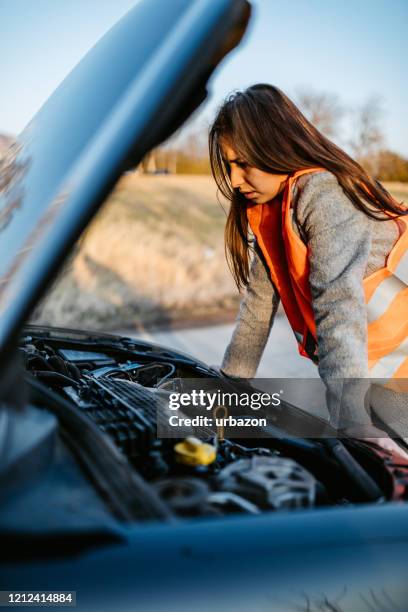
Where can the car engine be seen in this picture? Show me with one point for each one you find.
(117, 385)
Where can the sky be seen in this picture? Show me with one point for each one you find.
(354, 49)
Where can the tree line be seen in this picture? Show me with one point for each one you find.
(188, 152)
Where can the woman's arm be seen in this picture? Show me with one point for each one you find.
(254, 322)
(339, 240)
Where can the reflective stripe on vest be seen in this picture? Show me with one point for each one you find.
(401, 270)
(388, 365)
(386, 290)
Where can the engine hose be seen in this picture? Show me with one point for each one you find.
(365, 484)
(56, 377)
(32, 360)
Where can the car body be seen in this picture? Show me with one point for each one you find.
(82, 472)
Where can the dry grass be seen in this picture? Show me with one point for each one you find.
(153, 255)
(399, 191)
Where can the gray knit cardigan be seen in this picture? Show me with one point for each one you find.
(345, 246)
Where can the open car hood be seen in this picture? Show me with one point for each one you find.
(131, 91)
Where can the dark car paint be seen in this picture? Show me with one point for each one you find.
(353, 557)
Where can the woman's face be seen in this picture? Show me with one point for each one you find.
(256, 185)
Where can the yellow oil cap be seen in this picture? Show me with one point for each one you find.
(194, 452)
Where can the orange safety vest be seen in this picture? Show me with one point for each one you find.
(386, 290)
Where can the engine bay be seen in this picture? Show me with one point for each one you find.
(115, 384)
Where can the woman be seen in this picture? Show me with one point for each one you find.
(328, 241)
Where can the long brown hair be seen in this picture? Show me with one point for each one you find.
(269, 132)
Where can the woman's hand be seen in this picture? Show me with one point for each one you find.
(388, 444)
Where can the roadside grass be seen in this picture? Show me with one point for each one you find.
(399, 191)
(153, 255)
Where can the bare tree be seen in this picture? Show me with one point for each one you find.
(322, 109)
(148, 164)
(368, 137)
(194, 142)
